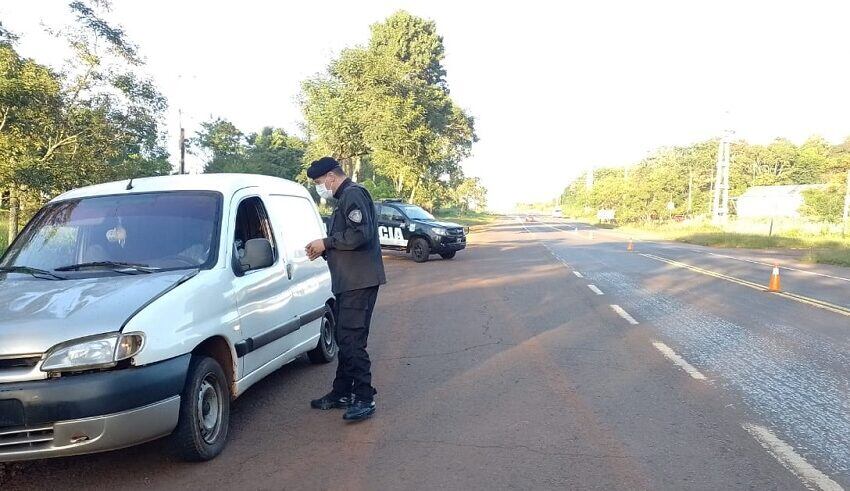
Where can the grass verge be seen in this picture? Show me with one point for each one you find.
(825, 249)
(468, 219)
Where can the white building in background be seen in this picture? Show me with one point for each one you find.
(772, 201)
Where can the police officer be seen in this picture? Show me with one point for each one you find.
(353, 252)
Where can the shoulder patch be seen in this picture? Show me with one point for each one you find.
(355, 216)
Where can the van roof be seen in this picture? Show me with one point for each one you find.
(227, 184)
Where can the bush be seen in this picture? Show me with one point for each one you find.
(824, 204)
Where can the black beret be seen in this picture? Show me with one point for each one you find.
(320, 167)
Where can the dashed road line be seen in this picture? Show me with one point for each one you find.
(625, 315)
(791, 460)
(792, 296)
(678, 360)
(579, 275)
(595, 289)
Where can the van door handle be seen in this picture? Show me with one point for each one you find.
(289, 271)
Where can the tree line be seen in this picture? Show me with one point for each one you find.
(684, 176)
(383, 110)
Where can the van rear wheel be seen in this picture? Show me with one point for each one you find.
(204, 411)
(326, 350)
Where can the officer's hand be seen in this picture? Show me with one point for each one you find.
(315, 249)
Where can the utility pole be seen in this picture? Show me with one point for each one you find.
(720, 205)
(846, 207)
(682, 154)
(182, 144)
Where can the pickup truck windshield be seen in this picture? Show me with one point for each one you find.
(161, 231)
(414, 212)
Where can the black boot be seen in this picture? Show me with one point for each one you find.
(359, 410)
(332, 400)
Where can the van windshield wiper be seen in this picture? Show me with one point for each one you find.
(114, 265)
(38, 273)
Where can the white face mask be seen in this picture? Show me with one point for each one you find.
(323, 191)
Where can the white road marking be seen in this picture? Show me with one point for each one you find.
(625, 315)
(578, 274)
(791, 460)
(595, 289)
(814, 273)
(678, 360)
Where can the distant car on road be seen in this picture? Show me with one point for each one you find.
(409, 228)
(556, 213)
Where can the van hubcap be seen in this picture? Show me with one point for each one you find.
(328, 337)
(209, 409)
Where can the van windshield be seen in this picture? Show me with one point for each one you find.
(167, 230)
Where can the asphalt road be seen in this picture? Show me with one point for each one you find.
(503, 369)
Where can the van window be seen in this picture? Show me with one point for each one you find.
(299, 223)
(252, 222)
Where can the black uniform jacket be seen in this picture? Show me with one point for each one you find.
(353, 250)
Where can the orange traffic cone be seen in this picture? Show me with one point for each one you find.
(773, 286)
(631, 246)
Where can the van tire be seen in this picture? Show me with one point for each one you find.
(420, 250)
(448, 255)
(205, 401)
(327, 349)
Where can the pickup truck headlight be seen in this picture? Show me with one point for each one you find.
(91, 353)
(439, 231)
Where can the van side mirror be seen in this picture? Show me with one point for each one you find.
(259, 254)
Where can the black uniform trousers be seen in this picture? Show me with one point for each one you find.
(353, 319)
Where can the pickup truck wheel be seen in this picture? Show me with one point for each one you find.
(204, 411)
(326, 350)
(420, 250)
(448, 255)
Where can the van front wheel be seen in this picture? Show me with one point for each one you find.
(204, 411)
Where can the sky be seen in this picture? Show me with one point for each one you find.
(555, 87)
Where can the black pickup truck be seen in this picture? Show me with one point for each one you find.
(409, 228)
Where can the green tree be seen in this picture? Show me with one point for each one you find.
(97, 121)
(270, 152)
(221, 144)
(390, 101)
(471, 194)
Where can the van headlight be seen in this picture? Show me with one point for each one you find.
(439, 231)
(103, 351)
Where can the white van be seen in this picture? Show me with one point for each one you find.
(133, 310)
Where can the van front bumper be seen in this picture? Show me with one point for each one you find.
(92, 412)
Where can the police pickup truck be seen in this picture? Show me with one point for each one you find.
(409, 228)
